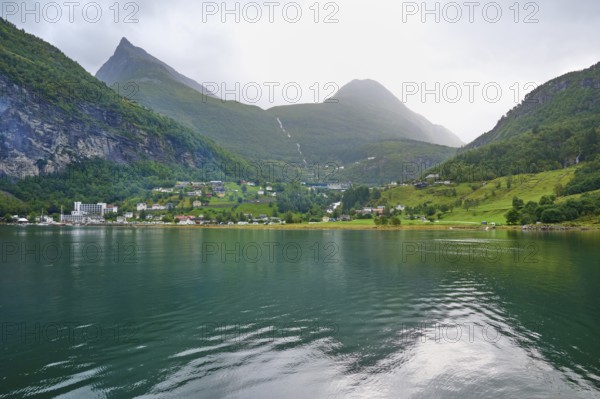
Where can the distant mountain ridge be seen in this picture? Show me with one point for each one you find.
(366, 113)
(380, 102)
(244, 129)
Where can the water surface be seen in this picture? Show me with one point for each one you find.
(171, 313)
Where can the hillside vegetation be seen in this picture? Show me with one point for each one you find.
(54, 113)
(476, 202)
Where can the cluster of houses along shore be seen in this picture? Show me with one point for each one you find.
(96, 213)
(200, 193)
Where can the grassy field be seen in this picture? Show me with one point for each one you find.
(495, 197)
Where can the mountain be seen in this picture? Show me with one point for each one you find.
(556, 126)
(368, 130)
(54, 114)
(391, 115)
(244, 129)
(392, 161)
(362, 112)
(133, 62)
(366, 114)
(571, 101)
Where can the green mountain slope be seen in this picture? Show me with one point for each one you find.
(556, 126)
(362, 112)
(54, 114)
(390, 161)
(472, 204)
(244, 129)
(131, 61)
(368, 130)
(571, 101)
(366, 117)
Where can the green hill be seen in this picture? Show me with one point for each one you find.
(243, 129)
(365, 117)
(473, 203)
(386, 161)
(362, 112)
(557, 125)
(54, 114)
(570, 102)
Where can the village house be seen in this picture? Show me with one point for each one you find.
(163, 190)
(111, 209)
(339, 186)
(185, 220)
(372, 211)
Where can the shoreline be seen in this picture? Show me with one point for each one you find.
(355, 227)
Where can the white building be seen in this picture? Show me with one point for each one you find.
(88, 213)
(91, 209)
(111, 209)
(141, 207)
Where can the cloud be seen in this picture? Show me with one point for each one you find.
(396, 43)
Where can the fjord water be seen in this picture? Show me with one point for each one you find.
(172, 313)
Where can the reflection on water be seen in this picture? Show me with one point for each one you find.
(195, 313)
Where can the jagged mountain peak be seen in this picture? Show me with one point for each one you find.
(130, 63)
(125, 43)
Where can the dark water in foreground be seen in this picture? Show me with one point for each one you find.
(171, 313)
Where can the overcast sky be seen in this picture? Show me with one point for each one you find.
(471, 47)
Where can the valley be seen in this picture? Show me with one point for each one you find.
(112, 140)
